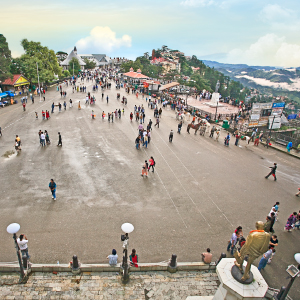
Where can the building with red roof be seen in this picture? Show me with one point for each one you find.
(135, 75)
(17, 83)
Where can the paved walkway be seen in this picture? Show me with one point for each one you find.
(107, 285)
(278, 147)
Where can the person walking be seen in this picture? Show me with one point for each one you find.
(171, 136)
(157, 122)
(52, 187)
(47, 137)
(145, 169)
(59, 140)
(137, 142)
(291, 222)
(233, 239)
(237, 138)
(71, 103)
(79, 107)
(266, 256)
(289, 147)
(42, 139)
(273, 172)
(24, 105)
(152, 164)
(212, 132)
(22, 242)
(107, 99)
(179, 127)
(268, 140)
(145, 137)
(52, 108)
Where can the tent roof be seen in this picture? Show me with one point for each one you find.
(135, 75)
(70, 56)
(169, 85)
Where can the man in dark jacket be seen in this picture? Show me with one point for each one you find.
(273, 172)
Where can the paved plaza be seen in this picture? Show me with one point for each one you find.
(199, 193)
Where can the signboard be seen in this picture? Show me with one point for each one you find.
(262, 105)
(274, 122)
(254, 116)
(278, 105)
(292, 116)
(253, 124)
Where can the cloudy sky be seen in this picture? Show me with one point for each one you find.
(255, 32)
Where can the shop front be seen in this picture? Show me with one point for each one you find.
(19, 84)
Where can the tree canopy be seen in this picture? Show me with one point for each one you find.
(89, 64)
(77, 67)
(5, 59)
(36, 54)
(144, 65)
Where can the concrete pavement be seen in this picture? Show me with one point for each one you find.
(199, 193)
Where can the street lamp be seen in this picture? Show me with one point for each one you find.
(13, 229)
(293, 272)
(216, 110)
(126, 228)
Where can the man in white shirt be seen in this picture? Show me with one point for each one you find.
(22, 242)
(113, 258)
(42, 137)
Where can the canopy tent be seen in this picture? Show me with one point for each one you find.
(135, 75)
(3, 95)
(169, 85)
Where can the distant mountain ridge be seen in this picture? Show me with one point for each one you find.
(217, 65)
(267, 79)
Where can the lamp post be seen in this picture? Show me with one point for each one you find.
(293, 272)
(126, 228)
(216, 110)
(37, 69)
(13, 229)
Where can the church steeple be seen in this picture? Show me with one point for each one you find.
(75, 50)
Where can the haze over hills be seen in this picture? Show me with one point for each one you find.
(268, 79)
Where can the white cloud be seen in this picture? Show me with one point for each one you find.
(102, 39)
(276, 13)
(280, 18)
(223, 4)
(196, 3)
(268, 50)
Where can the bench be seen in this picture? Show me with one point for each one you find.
(281, 142)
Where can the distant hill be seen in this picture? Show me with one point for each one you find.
(268, 79)
(217, 65)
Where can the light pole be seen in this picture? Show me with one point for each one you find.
(37, 69)
(13, 229)
(126, 228)
(216, 111)
(293, 272)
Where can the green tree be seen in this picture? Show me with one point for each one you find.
(36, 54)
(77, 67)
(89, 64)
(66, 73)
(5, 59)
